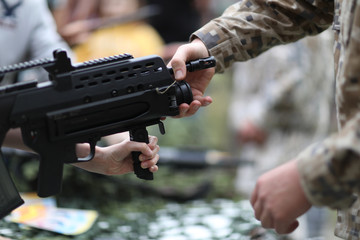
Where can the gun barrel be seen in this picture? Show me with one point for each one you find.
(199, 64)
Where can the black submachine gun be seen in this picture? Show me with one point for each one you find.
(82, 103)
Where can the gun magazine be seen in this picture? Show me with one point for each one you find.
(9, 196)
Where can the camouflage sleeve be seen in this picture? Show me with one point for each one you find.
(330, 170)
(250, 27)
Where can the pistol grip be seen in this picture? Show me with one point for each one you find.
(51, 169)
(140, 135)
(49, 176)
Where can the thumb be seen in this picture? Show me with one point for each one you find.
(179, 69)
(178, 65)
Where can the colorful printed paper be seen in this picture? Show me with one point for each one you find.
(42, 213)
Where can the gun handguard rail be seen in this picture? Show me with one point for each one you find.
(84, 102)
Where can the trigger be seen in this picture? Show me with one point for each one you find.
(91, 154)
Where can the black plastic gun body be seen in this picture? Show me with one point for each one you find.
(84, 102)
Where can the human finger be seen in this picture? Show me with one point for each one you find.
(194, 50)
(204, 100)
(266, 218)
(153, 140)
(150, 162)
(178, 64)
(133, 146)
(183, 109)
(254, 196)
(186, 110)
(154, 168)
(258, 206)
(193, 108)
(285, 228)
(149, 153)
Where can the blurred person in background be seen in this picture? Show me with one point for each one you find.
(176, 20)
(150, 24)
(108, 27)
(27, 31)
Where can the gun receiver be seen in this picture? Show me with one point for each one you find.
(84, 102)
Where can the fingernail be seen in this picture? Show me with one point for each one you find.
(183, 111)
(178, 74)
(196, 107)
(144, 165)
(206, 104)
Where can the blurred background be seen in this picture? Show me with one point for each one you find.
(264, 112)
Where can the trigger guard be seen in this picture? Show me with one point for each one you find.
(91, 154)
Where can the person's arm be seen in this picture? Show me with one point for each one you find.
(245, 30)
(324, 174)
(329, 170)
(248, 28)
(278, 198)
(112, 160)
(117, 159)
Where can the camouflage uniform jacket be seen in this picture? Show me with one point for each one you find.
(330, 170)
